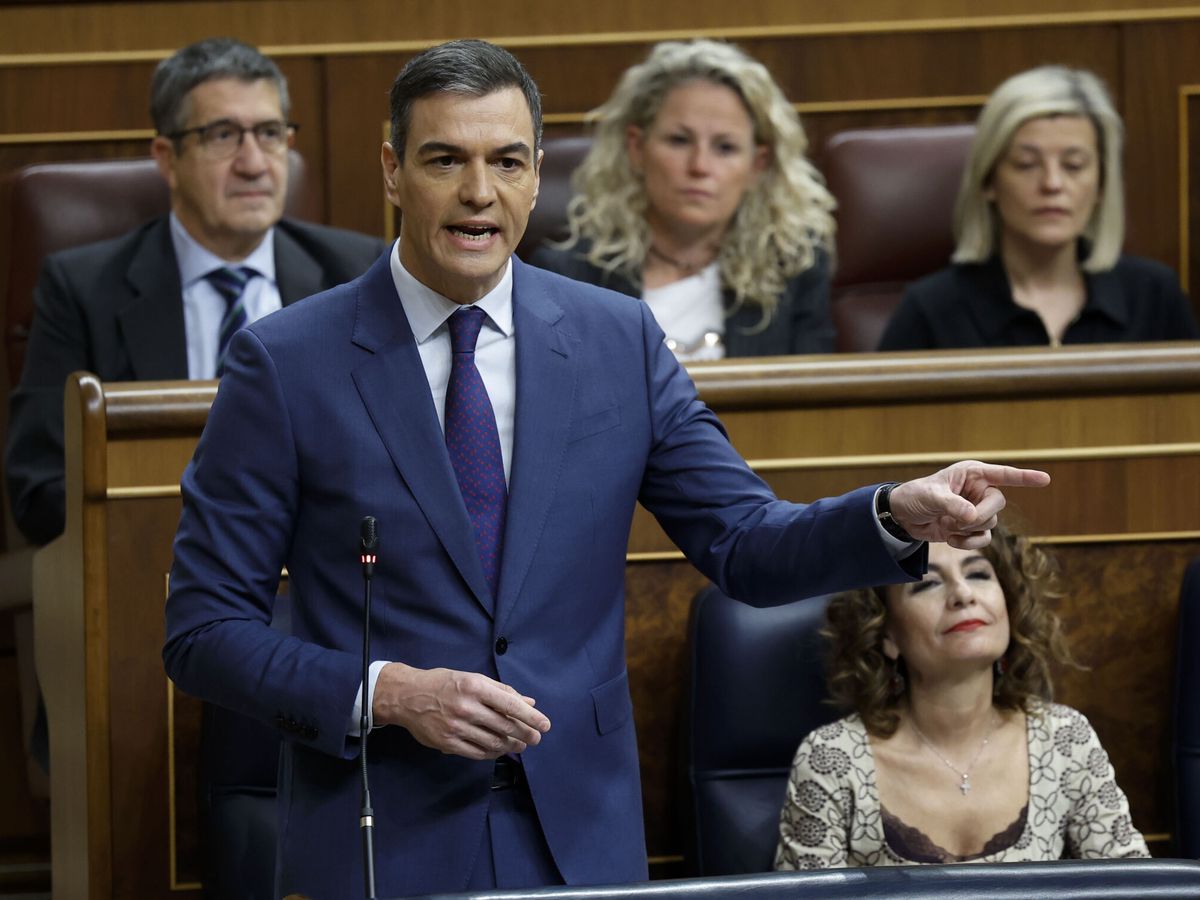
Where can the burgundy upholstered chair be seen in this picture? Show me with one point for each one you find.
(895, 189)
(549, 218)
(45, 208)
(53, 206)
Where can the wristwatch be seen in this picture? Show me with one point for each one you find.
(883, 512)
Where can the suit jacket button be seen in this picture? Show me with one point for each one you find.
(501, 646)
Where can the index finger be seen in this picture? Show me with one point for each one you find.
(509, 703)
(1011, 476)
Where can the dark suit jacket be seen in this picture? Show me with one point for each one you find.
(115, 308)
(801, 323)
(969, 305)
(324, 416)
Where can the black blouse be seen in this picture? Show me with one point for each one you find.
(971, 305)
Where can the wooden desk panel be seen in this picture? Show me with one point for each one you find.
(1119, 429)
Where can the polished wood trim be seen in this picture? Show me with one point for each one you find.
(73, 654)
(816, 107)
(1150, 537)
(809, 381)
(76, 137)
(136, 407)
(1000, 374)
(602, 38)
(91, 416)
(172, 813)
(890, 103)
(1055, 454)
(1186, 92)
(808, 463)
(666, 859)
(142, 492)
(654, 556)
(657, 556)
(389, 211)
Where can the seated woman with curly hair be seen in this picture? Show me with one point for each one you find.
(697, 197)
(954, 751)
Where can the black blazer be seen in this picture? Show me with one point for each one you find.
(801, 323)
(970, 305)
(115, 308)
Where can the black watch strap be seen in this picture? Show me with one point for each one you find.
(883, 512)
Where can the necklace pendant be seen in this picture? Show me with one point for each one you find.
(965, 786)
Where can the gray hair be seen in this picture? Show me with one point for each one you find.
(469, 67)
(207, 60)
(1039, 93)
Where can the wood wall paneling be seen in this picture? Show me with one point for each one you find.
(140, 782)
(1189, 173)
(131, 26)
(77, 97)
(356, 108)
(1151, 79)
(340, 98)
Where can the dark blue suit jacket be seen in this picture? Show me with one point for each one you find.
(324, 415)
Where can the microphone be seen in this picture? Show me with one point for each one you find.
(368, 542)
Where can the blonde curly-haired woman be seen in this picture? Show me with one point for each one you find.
(697, 196)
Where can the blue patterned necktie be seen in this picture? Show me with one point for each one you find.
(474, 443)
(231, 285)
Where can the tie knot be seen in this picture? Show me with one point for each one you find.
(230, 281)
(465, 324)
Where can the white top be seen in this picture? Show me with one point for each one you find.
(691, 312)
(204, 307)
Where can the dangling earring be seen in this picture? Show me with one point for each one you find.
(1001, 666)
(896, 683)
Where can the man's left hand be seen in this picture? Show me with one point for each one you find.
(959, 504)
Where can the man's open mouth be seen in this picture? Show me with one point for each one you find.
(473, 232)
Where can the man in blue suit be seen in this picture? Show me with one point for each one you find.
(503, 473)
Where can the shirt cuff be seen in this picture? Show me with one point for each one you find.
(355, 727)
(897, 548)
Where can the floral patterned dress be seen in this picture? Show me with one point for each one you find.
(832, 816)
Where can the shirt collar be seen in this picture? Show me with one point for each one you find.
(1103, 297)
(427, 310)
(196, 261)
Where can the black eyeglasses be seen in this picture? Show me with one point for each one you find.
(223, 138)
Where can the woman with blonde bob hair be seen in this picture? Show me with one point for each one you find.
(1039, 224)
(954, 751)
(697, 196)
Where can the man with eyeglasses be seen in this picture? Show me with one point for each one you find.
(163, 301)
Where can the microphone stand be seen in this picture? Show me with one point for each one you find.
(366, 818)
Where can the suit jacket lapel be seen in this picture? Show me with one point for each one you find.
(546, 380)
(296, 273)
(150, 320)
(395, 391)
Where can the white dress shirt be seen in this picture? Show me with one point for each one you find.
(495, 357)
(204, 307)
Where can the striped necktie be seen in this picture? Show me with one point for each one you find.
(230, 283)
(474, 442)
